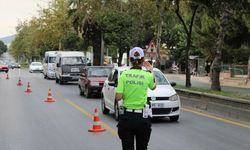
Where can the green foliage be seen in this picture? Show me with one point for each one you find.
(72, 42)
(118, 27)
(236, 48)
(3, 47)
(24, 64)
(130, 23)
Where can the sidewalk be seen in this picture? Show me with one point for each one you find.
(239, 82)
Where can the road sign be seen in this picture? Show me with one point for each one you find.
(151, 48)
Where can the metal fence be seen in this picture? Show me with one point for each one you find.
(237, 69)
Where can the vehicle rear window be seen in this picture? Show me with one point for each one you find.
(99, 71)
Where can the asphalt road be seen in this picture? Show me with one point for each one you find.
(27, 122)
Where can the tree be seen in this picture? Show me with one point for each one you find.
(72, 42)
(118, 29)
(227, 10)
(82, 16)
(194, 6)
(3, 47)
(20, 44)
(162, 8)
(52, 24)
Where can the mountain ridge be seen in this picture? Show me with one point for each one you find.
(7, 39)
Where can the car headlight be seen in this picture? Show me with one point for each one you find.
(94, 83)
(173, 97)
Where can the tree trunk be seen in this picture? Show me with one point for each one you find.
(128, 51)
(120, 57)
(248, 70)
(97, 53)
(226, 14)
(158, 41)
(187, 65)
(96, 42)
(189, 33)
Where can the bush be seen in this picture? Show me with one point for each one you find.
(24, 64)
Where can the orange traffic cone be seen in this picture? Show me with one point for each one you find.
(7, 76)
(28, 88)
(96, 127)
(49, 99)
(19, 82)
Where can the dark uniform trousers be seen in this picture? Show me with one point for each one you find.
(132, 125)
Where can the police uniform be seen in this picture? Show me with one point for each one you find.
(133, 84)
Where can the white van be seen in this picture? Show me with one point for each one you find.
(49, 64)
(69, 65)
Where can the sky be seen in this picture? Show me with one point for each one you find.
(13, 10)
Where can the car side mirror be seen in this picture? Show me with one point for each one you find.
(111, 83)
(57, 65)
(173, 84)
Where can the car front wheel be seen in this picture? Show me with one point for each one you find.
(61, 81)
(80, 90)
(105, 110)
(117, 111)
(87, 93)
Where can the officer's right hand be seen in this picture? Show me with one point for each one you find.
(148, 66)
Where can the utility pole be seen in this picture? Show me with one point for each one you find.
(102, 41)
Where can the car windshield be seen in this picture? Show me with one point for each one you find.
(99, 71)
(72, 60)
(160, 78)
(36, 64)
(2, 63)
(52, 59)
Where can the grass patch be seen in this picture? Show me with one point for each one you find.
(222, 93)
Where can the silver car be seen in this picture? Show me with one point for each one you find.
(165, 101)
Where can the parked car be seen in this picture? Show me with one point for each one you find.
(16, 65)
(92, 79)
(35, 67)
(10, 65)
(4, 67)
(165, 101)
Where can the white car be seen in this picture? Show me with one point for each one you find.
(165, 101)
(35, 67)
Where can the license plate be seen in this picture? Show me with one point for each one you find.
(75, 77)
(157, 105)
(75, 70)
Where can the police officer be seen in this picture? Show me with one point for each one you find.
(133, 89)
